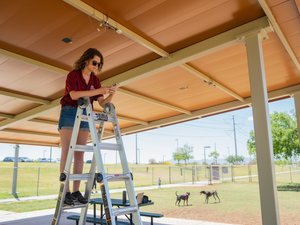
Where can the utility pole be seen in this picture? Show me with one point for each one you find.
(177, 143)
(235, 146)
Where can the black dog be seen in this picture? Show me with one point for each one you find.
(184, 197)
(208, 194)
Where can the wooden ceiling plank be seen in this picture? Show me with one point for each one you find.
(205, 47)
(133, 120)
(278, 31)
(153, 101)
(51, 122)
(210, 81)
(24, 97)
(119, 27)
(187, 54)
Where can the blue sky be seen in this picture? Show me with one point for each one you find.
(159, 144)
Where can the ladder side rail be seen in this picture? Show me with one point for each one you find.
(65, 183)
(99, 164)
(87, 194)
(128, 183)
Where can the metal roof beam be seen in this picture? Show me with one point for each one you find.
(29, 114)
(278, 94)
(210, 81)
(278, 31)
(28, 142)
(17, 131)
(24, 97)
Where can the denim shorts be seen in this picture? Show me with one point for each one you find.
(67, 118)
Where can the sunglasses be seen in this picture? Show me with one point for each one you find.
(99, 65)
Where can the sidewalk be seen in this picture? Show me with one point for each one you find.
(45, 217)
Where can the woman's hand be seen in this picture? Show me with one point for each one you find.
(112, 89)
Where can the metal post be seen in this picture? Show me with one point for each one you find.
(291, 177)
(38, 182)
(234, 133)
(170, 180)
(210, 175)
(205, 147)
(136, 150)
(15, 174)
(249, 173)
(50, 154)
(297, 110)
(263, 138)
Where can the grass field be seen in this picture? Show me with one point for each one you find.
(239, 204)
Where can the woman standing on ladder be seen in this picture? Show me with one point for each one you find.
(80, 82)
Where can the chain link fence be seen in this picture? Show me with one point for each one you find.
(43, 180)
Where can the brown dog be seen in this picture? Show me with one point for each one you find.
(184, 198)
(209, 194)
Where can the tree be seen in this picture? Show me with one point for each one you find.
(284, 135)
(152, 161)
(183, 153)
(177, 156)
(235, 160)
(215, 155)
(187, 151)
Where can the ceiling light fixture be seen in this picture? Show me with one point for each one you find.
(210, 82)
(105, 24)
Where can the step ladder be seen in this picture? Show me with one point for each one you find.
(97, 167)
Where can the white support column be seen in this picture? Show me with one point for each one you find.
(297, 110)
(263, 137)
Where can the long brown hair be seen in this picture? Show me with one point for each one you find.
(87, 55)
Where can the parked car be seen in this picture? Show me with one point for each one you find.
(9, 159)
(25, 159)
(88, 161)
(46, 160)
(21, 159)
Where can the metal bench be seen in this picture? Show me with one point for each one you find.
(151, 215)
(95, 220)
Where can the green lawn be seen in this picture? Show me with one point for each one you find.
(239, 201)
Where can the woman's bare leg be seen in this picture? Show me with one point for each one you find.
(65, 137)
(78, 158)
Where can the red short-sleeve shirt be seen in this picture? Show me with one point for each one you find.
(75, 82)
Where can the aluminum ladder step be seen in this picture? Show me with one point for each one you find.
(103, 146)
(118, 177)
(76, 206)
(98, 117)
(83, 176)
(125, 210)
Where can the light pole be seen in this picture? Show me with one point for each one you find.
(205, 147)
(177, 143)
